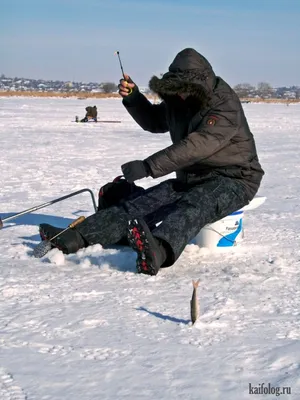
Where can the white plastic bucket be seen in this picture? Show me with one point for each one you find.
(226, 232)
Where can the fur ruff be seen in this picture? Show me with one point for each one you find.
(172, 84)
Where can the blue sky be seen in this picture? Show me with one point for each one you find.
(245, 40)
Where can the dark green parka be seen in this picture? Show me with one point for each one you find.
(91, 112)
(209, 130)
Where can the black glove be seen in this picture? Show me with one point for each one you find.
(135, 170)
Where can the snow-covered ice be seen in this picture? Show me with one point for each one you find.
(86, 326)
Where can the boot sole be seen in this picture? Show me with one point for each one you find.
(44, 237)
(137, 238)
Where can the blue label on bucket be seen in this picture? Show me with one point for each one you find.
(237, 213)
(229, 240)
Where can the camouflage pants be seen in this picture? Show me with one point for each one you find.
(182, 211)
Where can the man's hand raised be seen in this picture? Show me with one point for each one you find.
(126, 86)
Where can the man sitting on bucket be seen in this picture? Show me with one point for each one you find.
(213, 155)
(91, 114)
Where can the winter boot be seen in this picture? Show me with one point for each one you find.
(151, 254)
(68, 242)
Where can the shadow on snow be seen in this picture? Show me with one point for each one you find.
(164, 317)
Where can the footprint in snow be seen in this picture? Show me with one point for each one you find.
(8, 388)
(103, 353)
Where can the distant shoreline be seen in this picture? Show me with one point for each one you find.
(79, 95)
(88, 95)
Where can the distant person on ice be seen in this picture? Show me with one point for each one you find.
(213, 155)
(91, 114)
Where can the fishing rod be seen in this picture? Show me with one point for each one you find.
(121, 65)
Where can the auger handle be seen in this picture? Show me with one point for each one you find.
(72, 225)
(77, 222)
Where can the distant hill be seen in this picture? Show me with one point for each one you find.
(41, 85)
(98, 89)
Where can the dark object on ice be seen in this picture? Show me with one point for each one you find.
(106, 122)
(91, 114)
(213, 155)
(109, 122)
(87, 119)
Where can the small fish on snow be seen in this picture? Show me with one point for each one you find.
(194, 302)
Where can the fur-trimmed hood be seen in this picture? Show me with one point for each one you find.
(189, 73)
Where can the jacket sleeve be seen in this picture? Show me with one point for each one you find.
(150, 117)
(214, 132)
